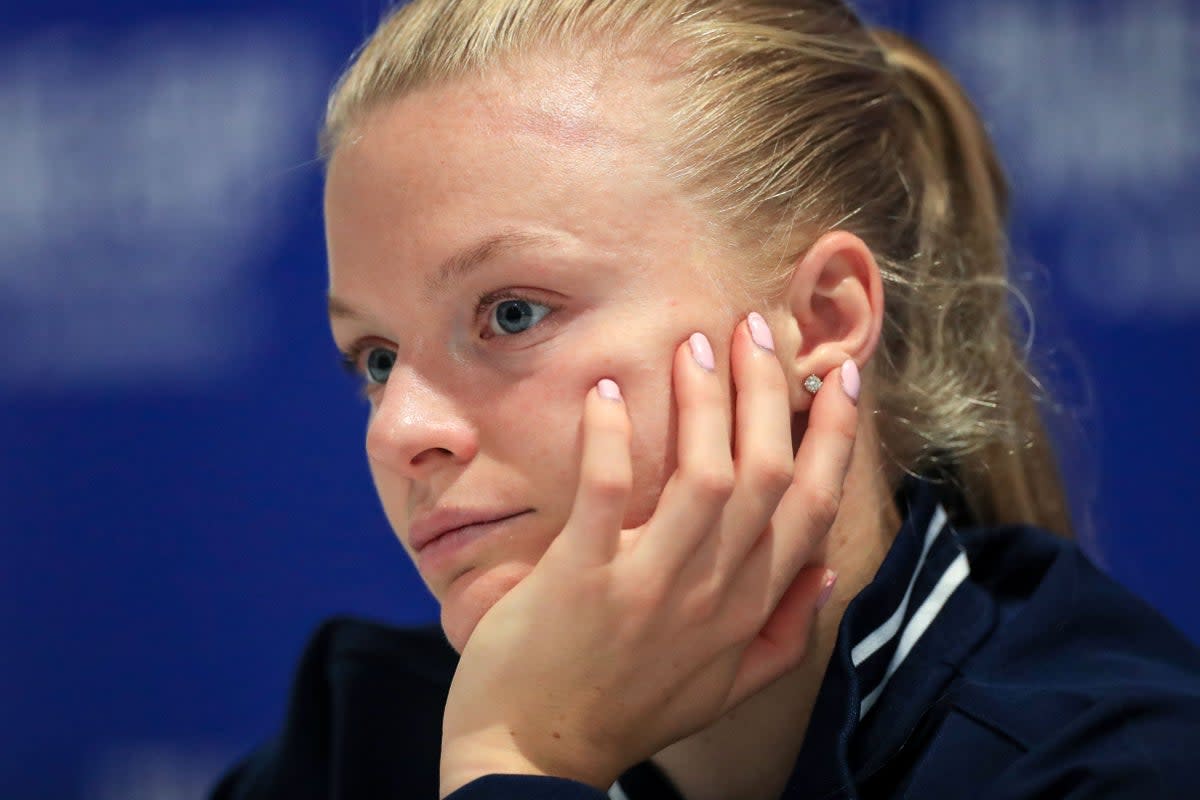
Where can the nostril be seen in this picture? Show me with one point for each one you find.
(416, 430)
(432, 452)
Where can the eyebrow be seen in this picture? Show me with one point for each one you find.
(459, 265)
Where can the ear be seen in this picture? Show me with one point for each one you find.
(835, 305)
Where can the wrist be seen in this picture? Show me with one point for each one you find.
(465, 760)
(457, 773)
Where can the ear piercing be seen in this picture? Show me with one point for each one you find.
(812, 384)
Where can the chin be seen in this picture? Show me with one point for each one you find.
(457, 631)
(472, 595)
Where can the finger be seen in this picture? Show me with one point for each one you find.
(810, 504)
(785, 638)
(694, 496)
(763, 457)
(593, 530)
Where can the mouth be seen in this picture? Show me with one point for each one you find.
(440, 524)
(444, 552)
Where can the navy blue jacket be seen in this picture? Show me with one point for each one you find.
(980, 663)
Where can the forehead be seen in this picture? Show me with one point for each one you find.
(571, 149)
(545, 107)
(572, 105)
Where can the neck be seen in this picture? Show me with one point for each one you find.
(749, 753)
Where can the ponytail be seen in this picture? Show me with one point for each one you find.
(959, 202)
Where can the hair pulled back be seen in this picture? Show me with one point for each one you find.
(799, 119)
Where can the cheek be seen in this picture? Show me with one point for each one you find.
(654, 417)
(393, 496)
(546, 414)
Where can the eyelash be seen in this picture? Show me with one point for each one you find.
(350, 358)
(488, 300)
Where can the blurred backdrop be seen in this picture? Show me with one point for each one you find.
(183, 495)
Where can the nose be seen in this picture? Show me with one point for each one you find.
(416, 429)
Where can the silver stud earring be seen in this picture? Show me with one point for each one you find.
(812, 384)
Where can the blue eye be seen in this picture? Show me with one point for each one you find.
(379, 364)
(516, 316)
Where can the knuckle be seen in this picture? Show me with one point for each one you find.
(702, 605)
(696, 401)
(823, 503)
(789, 654)
(772, 376)
(846, 427)
(794, 650)
(609, 425)
(772, 477)
(712, 484)
(644, 596)
(608, 484)
(745, 622)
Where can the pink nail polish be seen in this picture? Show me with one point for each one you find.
(826, 588)
(851, 380)
(702, 351)
(760, 332)
(608, 389)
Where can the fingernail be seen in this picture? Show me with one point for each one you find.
(608, 389)
(851, 380)
(826, 588)
(760, 332)
(702, 351)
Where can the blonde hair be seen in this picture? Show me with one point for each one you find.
(798, 120)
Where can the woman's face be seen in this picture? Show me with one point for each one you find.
(495, 248)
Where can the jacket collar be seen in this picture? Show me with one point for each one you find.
(898, 646)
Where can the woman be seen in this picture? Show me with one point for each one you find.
(592, 261)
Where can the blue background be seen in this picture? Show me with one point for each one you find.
(182, 487)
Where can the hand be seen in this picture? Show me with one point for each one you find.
(621, 642)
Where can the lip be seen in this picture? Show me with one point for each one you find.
(428, 528)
